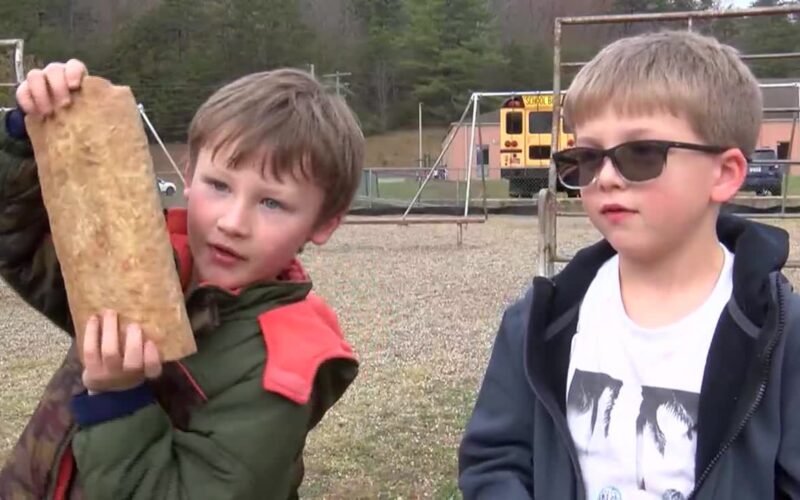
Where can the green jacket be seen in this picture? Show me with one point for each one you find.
(228, 422)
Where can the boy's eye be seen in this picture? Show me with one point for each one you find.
(217, 185)
(270, 203)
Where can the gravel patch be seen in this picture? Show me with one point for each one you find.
(421, 313)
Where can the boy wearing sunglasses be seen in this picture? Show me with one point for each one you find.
(664, 361)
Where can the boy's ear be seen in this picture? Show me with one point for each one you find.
(730, 175)
(324, 230)
(187, 176)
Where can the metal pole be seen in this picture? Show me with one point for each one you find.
(483, 170)
(547, 197)
(439, 159)
(773, 162)
(161, 143)
(19, 70)
(782, 110)
(796, 118)
(779, 85)
(514, 93)
(681, 16)
(471, 152)
(787, 170)
(547, 218)
(551, 174)
(420, 135)
(19, 58)
(780, 55)
(744, 57)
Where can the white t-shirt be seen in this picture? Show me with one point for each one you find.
(633, 392)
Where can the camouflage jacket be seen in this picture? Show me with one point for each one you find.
(183, 444)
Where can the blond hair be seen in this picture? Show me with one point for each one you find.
(287, 120)
(688, 75)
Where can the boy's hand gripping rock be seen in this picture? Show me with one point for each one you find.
(46, 90)
(109, 368)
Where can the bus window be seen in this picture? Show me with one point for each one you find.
(566, 126)
(514, 122)
(540, 122)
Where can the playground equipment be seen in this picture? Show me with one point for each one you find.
(548, 203)
(18, 46)
(464, 220)
(461, 221)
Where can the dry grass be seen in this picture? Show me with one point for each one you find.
(400, 148)
(421, 313)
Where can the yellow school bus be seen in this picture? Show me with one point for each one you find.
(526, 125)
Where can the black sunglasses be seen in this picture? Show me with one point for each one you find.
(635, 161)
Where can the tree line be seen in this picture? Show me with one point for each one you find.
(393, 54)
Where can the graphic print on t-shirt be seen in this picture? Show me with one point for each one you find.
(585, 393)
(664, 418)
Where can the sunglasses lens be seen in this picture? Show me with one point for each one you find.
(641, 161)
(577, 167)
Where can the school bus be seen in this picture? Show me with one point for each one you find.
(526, 125)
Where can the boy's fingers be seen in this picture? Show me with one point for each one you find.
(109, 341)
(25, 99)
(74, 71)
(132, 362)
(57, 81)
(152, 360)
(40, 93)
(91, 345)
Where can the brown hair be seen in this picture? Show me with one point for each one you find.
(287, 119)
(689, 75)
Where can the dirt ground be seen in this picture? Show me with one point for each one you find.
(421, 314)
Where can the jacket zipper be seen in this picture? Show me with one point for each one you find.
(576, 468)
(557, 420)
(51, 488)
(560, 424)
(759, 395)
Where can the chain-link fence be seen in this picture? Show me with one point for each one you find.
(397, 186)
(767, 189)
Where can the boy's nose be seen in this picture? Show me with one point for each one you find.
(234, 221)
(607, 176)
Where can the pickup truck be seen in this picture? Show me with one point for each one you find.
(764, 178)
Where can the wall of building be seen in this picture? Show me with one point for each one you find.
(456, 158)
(775, 132)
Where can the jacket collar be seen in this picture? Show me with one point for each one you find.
(763, 249)
(205, 300)
(731, 369)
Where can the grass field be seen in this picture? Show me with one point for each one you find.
(421, 314)
(794, 185)
(395, 188)
(435, 189)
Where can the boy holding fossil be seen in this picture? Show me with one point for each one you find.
(274, 161)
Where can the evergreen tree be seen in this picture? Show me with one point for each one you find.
(449, 45)
(379, 58)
